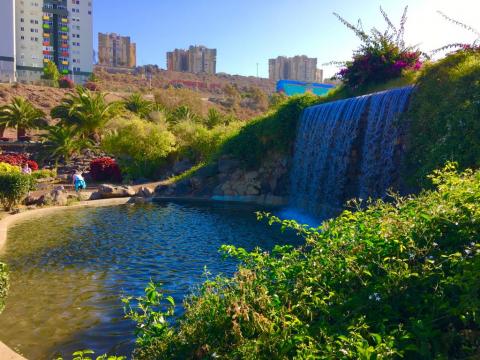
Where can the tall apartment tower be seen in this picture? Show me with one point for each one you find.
(116, 51)
(301, 68)
(197, 59)
(47, 30)
(8, 43)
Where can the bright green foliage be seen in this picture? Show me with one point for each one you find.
(50, 72)
(21, 115)
(198, 142)
(86, 111)
(392, 280)
(445, 116)
(3, 285)
(7, 168)
(150, 313)
(272, 132)
(14, 187)
(140, 147)
(138, 105)
(63, 142)
(88, 355)
(44, 174)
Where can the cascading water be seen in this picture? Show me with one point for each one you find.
(347, 149)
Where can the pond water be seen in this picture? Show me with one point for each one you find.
(69, 270)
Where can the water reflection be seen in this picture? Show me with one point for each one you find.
(69, 270)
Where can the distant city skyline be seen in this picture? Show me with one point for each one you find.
(248, 32)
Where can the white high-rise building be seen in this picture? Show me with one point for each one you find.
(46, 30)
(7, 43)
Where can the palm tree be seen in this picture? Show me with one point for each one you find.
(63, 141)
(21, 115)
(138, 105)
(87, 111)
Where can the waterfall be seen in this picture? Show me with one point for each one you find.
(347, 149)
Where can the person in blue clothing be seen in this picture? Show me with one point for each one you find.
(79, 181)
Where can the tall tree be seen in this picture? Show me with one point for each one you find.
(87, 111)
(63, 141)
(21, 115)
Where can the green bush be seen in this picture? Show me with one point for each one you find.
(140, 147)
(44, 174)
(3, 285)
(445, 116)
(393, 280)
(14, 187)
(272, 132)
(198, 142)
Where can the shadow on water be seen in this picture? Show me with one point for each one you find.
(69, 270)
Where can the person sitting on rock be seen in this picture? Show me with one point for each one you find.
(79, 181)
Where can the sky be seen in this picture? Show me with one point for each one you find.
(249, 32)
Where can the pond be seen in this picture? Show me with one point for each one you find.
(69, 270)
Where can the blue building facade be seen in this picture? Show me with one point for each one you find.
(293, 87)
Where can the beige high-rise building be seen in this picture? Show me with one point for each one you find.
(116, 51)
(197, 59)
(301, 68)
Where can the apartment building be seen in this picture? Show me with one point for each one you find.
(197, 59)
(7, 44)
(116, 51)
(47, 30)
(301, 68)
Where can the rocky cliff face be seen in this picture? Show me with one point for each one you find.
(227, 180)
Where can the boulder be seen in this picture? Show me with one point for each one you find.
(227, 165)
(59, 197)
(44, 200)
(145, 192)
(196, 183)
(31, 200)
(111, 191)
(95, 196)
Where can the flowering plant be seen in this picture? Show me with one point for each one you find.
(18, 160)
(105, 169)
(382, 56)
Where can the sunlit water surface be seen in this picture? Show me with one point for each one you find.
(69, 270)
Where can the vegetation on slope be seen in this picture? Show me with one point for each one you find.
(3, 285)
(393, 280)
(445, 116)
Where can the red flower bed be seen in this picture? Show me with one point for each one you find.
(18, 160)
(105, 169)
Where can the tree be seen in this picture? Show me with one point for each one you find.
(138, 105)
(63, 141)
(140, 147)
(21, 115)
(50, 72)
(86, 111)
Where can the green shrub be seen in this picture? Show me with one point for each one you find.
(445, 116)
(198, 142)
(7, 168)
(44, 174)
(14, 187)
(140, 147)
(272, 132)
(3, 285)
(393, 280)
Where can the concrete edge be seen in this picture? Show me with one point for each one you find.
(5, 352)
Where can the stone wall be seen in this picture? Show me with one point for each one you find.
(228, 180)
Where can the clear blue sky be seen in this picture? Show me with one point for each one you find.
(247, 32)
